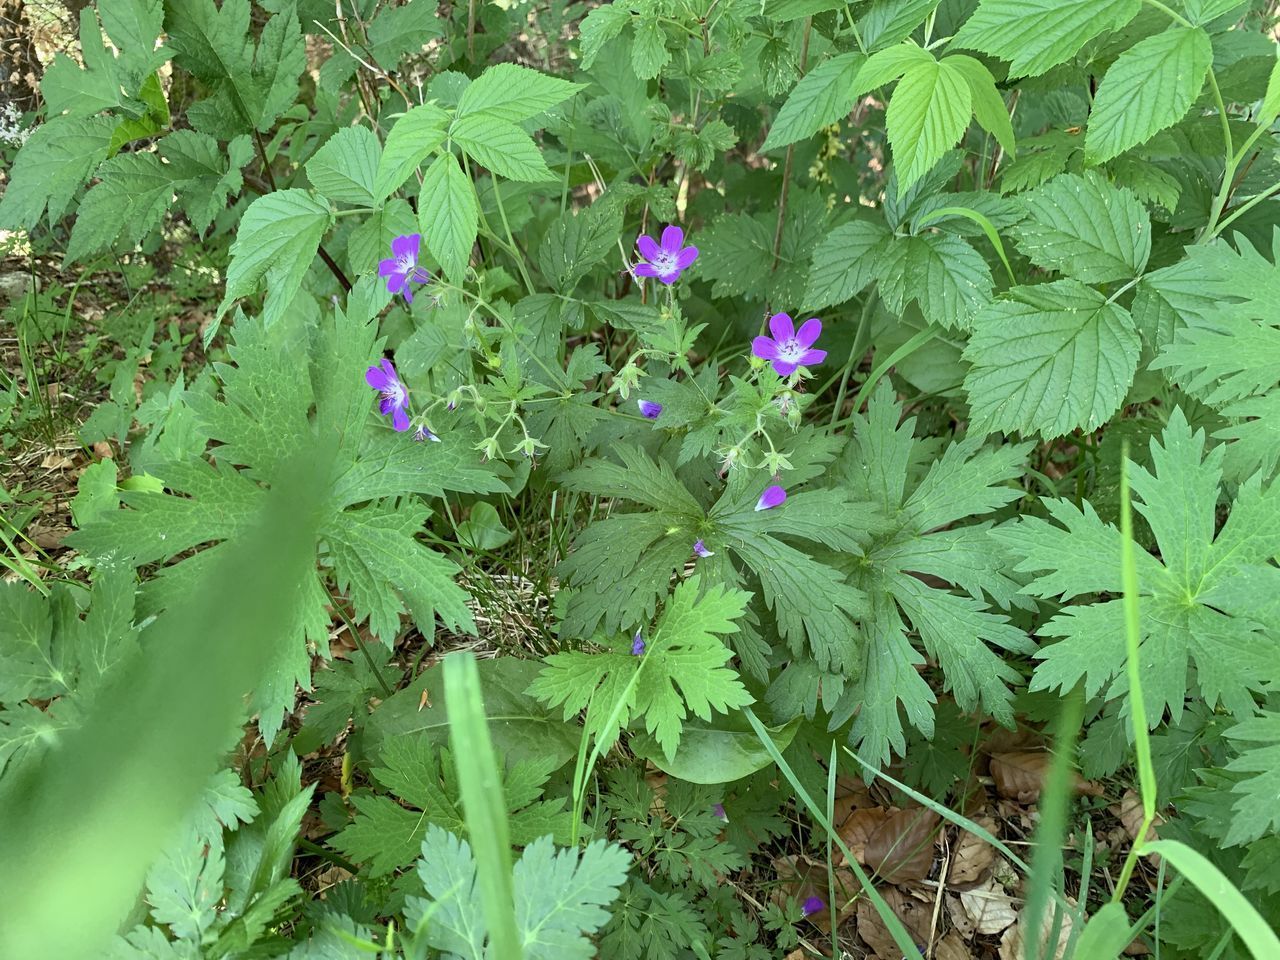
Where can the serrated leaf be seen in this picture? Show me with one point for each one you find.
(598, 27)
(649, 52)
(77, 92)
(412, 139)
(988, 105)
(943, 273)
(501, 146)
(928, 113)
(1036, 35)
(508, 91)
(276, 243)
(561, 895)
(130, 199)
(449, 215)
(845, 262)
(1050, 359)
(56, 159)
(1086, 228)
(346, 167)
(209, 173)
(824, 95)
(1256, 811)
(1148, 88)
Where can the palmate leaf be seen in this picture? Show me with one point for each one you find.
(1211, 602)
(883, 466)
(286, 385)
(560, 895)
(1050, 359)
(387, 835)
(1256, 810)
(683, 669)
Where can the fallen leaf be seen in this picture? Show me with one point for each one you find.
(901, 848)
(102, 450)
(1129, 812)
(1021, 775)
(915, 916)
(989, 908)
(1013, 945)
(951, 947)
(857, 828)
(56, 461)
(972, 857)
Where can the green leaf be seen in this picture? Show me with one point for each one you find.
(501, 146)
(845, 262)
(988, 105)
(1207, 602)
(1036, 35)
(928, 113)
(134, 26)
(888, 65)
(346, 167)
(401, 30)
(823, 96)
(598, 27)
(448, 215)
(276, 243)
(128, 202)
(507, 91)
(722, 751)
(1148, 88)
(1106, 934)
(941, 272)
(681, 652)
(649, 53)
(77, 92)
(209, 173)
(1050, 359)
(559, 896)
(57, 158)
(186, 884)
(96, 493)
(1086, 228)
(1256, 811)
(576, 242)
(483, 529)
(412, 139)
(521, 728)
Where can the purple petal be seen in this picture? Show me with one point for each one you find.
(813, 905)
(387, 267)
(669, 278)
(648, 247)
(701, 550)
(718, 808)
(386, 406)
(644, 270)
(773, 496)
(375, 377)
(407, 245)
(408, 292)
(400, 420)
(389, 370)
(685, 260)
(637, 644)
(764, 348)
(672, 239)
(811, 358)
(420, 275)
(395, 283)
(784, 368)
(781, 327)
(649, 409)
(809, 332)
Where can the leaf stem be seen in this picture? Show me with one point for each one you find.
(786, 164)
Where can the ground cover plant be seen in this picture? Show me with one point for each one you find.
(678, 479)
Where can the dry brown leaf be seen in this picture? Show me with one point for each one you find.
(102, 450)
(56, 461)
(1013, 945)
(1129, 812)
(959, 919)
(901, 848)
(1020, 775)
(951, 947)
(47, 537)
(972, 857)
(858, 827)
(988, 908)
(915, 916)
(851, 794)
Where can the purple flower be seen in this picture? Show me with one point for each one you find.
(718, 809)
(649, 409)
(401, 268)
(789, 348)
(813, 905)
(395, 399)
(666, 260)
(701, 550)
(637, 645)
(773, 496)
(423, 432)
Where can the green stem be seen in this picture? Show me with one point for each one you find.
(519, 258)
(1243, 209)
(355, 635)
